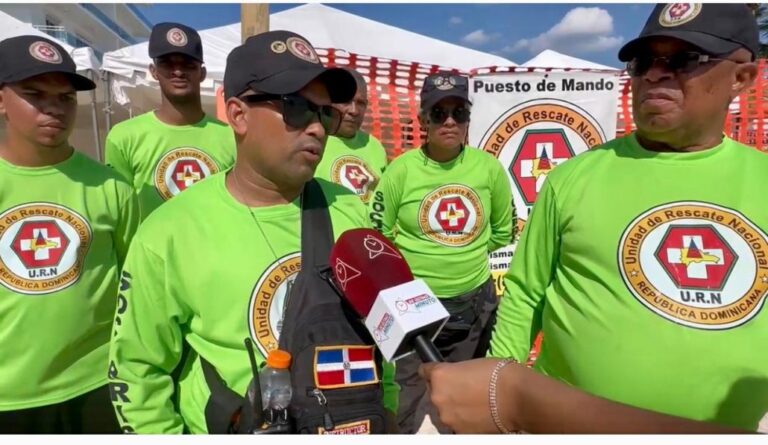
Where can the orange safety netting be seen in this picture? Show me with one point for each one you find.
(393, 96)
(394, 86)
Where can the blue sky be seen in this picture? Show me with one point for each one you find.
(516, 31)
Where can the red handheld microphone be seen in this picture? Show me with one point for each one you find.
(401, 313)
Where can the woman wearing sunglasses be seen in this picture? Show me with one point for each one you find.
(446, 206)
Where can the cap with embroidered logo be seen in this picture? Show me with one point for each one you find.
(443, 84)
(175, 38)
(715, 28)
(23, 57)
(282, 62)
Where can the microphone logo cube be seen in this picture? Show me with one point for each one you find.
(402, 312)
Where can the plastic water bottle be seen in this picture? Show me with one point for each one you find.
(275, 380)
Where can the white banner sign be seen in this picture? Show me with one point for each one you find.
(531, 122)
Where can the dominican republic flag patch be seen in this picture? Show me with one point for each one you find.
(344, 366)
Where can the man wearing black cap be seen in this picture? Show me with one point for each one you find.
(65, 225)
(165, 151)
(354, 158)
(216, 264)
(446, 206)
(645, 261)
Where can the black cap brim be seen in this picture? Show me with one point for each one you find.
(158, 54)
(79, 83)
(341, 84)
(436, 97)
(706, 42)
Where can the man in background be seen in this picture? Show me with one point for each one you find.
(165, 151)
(354, 158)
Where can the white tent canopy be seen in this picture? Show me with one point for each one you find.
(553, 59)
(323, 26)
(84, 58)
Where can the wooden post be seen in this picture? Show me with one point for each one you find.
(254, 19)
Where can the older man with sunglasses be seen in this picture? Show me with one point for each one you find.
(204, 267)
(446, 205)
(645, 260)
(354, 158)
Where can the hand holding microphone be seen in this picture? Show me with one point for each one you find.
(400, 312)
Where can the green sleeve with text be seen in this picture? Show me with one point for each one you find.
(148, 340)
(385, 203)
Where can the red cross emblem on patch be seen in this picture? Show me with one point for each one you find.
(696, 257)
(186, 173)
(46, 52)
(357, 176)
(678, 10)
(540, 152)
(452, 214)
(40, 244)
(302, 48)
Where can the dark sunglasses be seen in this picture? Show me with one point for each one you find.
(439, 115)
(298, 112)
(681, 63)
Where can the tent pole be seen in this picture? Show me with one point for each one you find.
(254, 19)
(94, 117)
(107, 100)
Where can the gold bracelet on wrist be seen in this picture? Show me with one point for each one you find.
(492, 395)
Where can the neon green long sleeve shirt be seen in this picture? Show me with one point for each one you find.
(446, 217)
(162, 160)
(648, 273)
(207, 270)
(64, 234)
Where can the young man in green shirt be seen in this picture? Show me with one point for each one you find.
(645, 260)
(216, 264)
(65, 225)
(165, 151)
(446, 205)
(354, 158)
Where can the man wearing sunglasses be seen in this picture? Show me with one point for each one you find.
(446, 206)
(165, 151)
(644, 260)
(354, 158)
(215, 264)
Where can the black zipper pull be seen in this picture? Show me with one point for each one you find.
(328, 423)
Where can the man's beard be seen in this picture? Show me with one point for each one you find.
(193, 97)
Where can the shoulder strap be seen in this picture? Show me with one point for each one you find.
(316, 242)
(316, 227)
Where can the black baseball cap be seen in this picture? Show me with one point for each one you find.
(175, 38)
(282, 62)
(715, 28)
(443, 84)
(23, 57)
